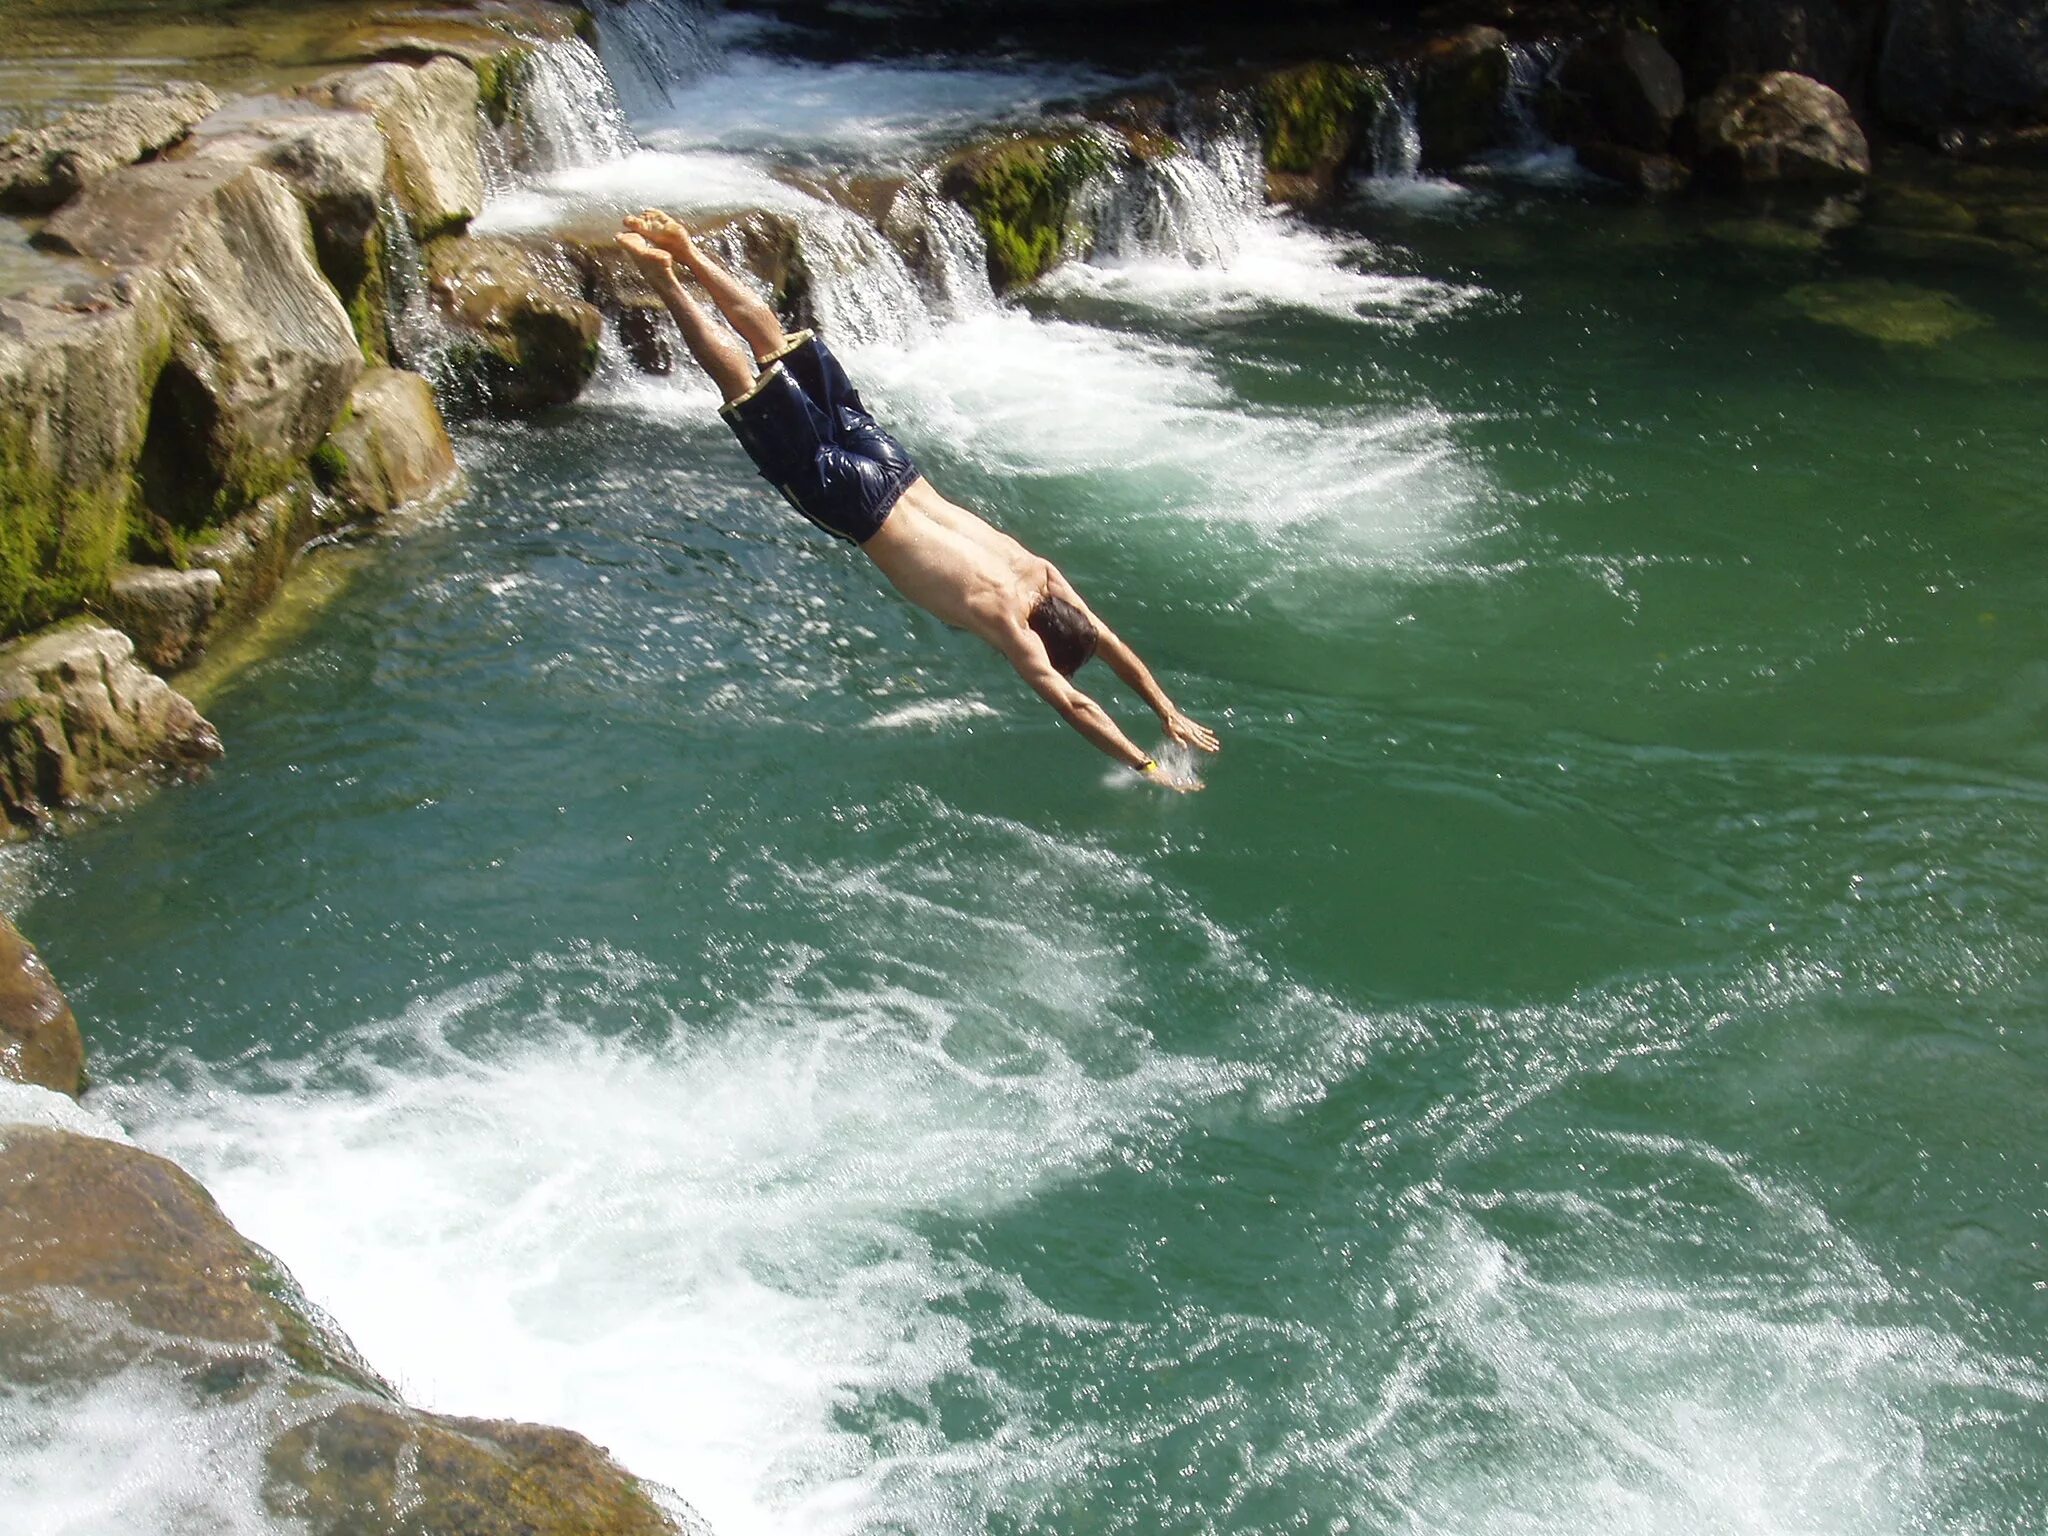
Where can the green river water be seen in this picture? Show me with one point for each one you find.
(1578, 1067)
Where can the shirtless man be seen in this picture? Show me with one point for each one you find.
(806, 430)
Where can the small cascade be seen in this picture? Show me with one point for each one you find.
(945, 245)
(1192, 205)
(564, 112)
(860, 286)
(420, 338)
(1397, 138)
(652, 46)
(1529, 67)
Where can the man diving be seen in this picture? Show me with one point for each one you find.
(803, 424)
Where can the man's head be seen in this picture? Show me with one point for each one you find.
(1068, 633)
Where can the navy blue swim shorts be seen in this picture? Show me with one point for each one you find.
(807, 432)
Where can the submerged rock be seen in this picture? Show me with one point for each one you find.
(1762, 129)
(389, 449)
(78, 715)
(529, 340)
(166, 612)
(43, 168)
(428, 115)
(39, 1041)
(261, 354)
(1896, 313)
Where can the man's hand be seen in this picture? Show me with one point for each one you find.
(655, 263)
(1188, 733)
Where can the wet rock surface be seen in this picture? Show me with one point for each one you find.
(428, 116)
(165, 611)
(42, 168)
(390, 448)
(39, 1040)
(79, 714)
(529, 340)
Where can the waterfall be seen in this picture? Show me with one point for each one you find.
(945, 245)
(563, 112)
(420, 338)
(860, 285)
(1529, 66)
(1192, 204)
(651, 46)
(1397, 138)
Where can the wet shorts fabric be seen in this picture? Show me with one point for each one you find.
(806, 430)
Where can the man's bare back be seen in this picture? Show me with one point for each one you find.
(862, 486)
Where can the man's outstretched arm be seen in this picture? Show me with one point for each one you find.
(1026, 652)
(1124, 662)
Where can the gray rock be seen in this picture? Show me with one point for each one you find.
(1958, 63)
(428, 114)
(42, 168)
(253, 552)
(76, 374)
(389, 449)
(1619, 88)
(165, 612)
(531, 340)
(262, 355)
(1763, 129)
(78, 714)
(39, 1041)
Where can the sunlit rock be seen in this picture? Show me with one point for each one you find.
(1889, 312)
(44, 167)
(165, 611)
(428, 115)
(389, 450)
(39, 1040)
(1762, 129)
(528, 339)
(262, 355)
(78, 715)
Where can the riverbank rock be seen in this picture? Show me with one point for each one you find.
(389, 449)
(1830, 40)
(428, 115)
(528, 340)
(1758, 130)
(43, 168)
(1960, 64)
(78, 714)
(262, 355)
(39, 1040)
(77, 369)
(1315, 122)
(1021, 194)
(253, 553)
(166, 612)
(1459, 81)
(1620, 88)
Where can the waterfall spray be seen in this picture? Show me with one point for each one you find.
(563, 112)
(652, 46)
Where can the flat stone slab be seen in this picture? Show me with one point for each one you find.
(43, 168)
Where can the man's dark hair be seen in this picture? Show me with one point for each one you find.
(1068, 633)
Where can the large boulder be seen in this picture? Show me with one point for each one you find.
(1460, 82)
(428, 114)
(42, 168)
(1021, 192)
(527, 340)
(78, 715)
(113, 1260)
(1758, 130)
(77, 370)
(39, 1041)
(1954, 64)
(262, 355)
(389, 449)
(165, 611)
(337, 164)
(1314, 122)
(1621, 88)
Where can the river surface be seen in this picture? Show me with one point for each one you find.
(1579, 1066)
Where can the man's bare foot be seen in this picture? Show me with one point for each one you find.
(665, 231)
(654, 263)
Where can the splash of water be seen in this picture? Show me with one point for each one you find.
(565, 112)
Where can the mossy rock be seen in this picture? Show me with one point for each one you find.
(1021, 194)
(1897, 314)
(1459, 84)
(1312, 119)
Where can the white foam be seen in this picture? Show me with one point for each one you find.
(21, 1104)
(933, 712)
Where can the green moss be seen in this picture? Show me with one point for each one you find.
(58, 543)
(369, 303)
(498, 78)
(1895, 313)
(1310, 118)
(1022, 195)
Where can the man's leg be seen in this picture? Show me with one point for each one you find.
(757, 324)
(708, 342)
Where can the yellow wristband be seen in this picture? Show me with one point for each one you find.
(1150, 765)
